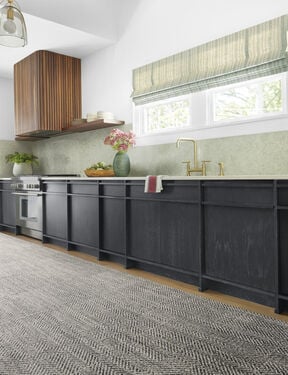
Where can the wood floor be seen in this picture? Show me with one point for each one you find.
(251, 306)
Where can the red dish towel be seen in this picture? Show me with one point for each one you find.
(153, 184)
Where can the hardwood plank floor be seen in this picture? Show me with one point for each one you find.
(250, 306)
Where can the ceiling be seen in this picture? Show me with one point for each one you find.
(70, 27)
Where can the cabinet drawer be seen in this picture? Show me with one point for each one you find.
(54, 187)
(282, 193)
(172, 191)
(85, 188)
(241, 193)
(6, 185)
(112, 188)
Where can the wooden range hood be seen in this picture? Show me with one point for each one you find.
(47, 94)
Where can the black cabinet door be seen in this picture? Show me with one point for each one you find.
(8, 208)
(239, 246)
(179, 236)
(113, 225)
(164, 228)
(55, 216)
(55, 209)
(283, 251)
(144, 230)
(84, 220)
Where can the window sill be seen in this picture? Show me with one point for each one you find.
(266, 125)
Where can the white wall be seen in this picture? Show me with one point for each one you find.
(6, 109)
(152, 34)
(160, 28)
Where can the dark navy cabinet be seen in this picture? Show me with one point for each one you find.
(113, 218)
(55, 225)
(239, 232)
(7, 207)
(227, 235)
(164, 227)
(83, 217)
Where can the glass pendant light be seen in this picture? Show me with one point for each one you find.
(12, 26)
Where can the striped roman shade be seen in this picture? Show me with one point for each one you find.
(258, 51)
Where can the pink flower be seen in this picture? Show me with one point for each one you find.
(119, 140)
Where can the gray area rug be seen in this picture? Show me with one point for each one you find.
(63, 315)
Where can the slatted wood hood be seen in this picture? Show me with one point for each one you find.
(47, 94)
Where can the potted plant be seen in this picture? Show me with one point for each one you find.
(22, 162)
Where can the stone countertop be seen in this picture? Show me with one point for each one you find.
(173, 178)
(164, 178)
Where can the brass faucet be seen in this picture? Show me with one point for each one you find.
(221, 168)
(196, 167)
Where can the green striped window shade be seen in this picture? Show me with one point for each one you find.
(254, 52)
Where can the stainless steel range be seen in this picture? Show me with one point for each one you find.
(28, 205)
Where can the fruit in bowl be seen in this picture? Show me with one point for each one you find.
(100, 169)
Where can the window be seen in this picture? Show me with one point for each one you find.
(215, 112)
(248, 100)
(163, 116)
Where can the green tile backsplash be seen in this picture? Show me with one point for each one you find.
(242, 155)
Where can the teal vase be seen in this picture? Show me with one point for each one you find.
(121, 164)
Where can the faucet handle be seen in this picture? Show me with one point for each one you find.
(221, 168)
(188, 167)
(204, 165)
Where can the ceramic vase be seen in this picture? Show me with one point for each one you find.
(22, 169)
(121, 164)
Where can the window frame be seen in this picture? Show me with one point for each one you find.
(211, 102)
(202, 127)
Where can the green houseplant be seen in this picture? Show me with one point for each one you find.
(22, 162)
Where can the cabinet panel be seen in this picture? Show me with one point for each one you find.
(176, 191)
(283, 252)
(180, 236)
(283, 196)
(241, 193)
(239, 246)
(54, 187)
(113, 225)
(144, 230)
(8, 208)
(89, 188)
(112, 188)
(84, 220)
(55, 216)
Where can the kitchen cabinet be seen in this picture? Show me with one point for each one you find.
(96, 218)
(87, 216)
(226, 235)
(112, 218)
(282, 242)
(7, 207)
(239, 234)
(55, 212)
(83, 217)
(166, 232)
(47, 93)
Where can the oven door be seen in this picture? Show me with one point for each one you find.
(29, 213)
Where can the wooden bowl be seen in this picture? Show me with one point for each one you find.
(99, 172)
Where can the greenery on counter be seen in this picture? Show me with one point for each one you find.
(19, 158)
(101, 165)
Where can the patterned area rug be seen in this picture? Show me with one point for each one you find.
(62, 315)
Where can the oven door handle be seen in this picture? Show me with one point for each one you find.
(30, 194)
